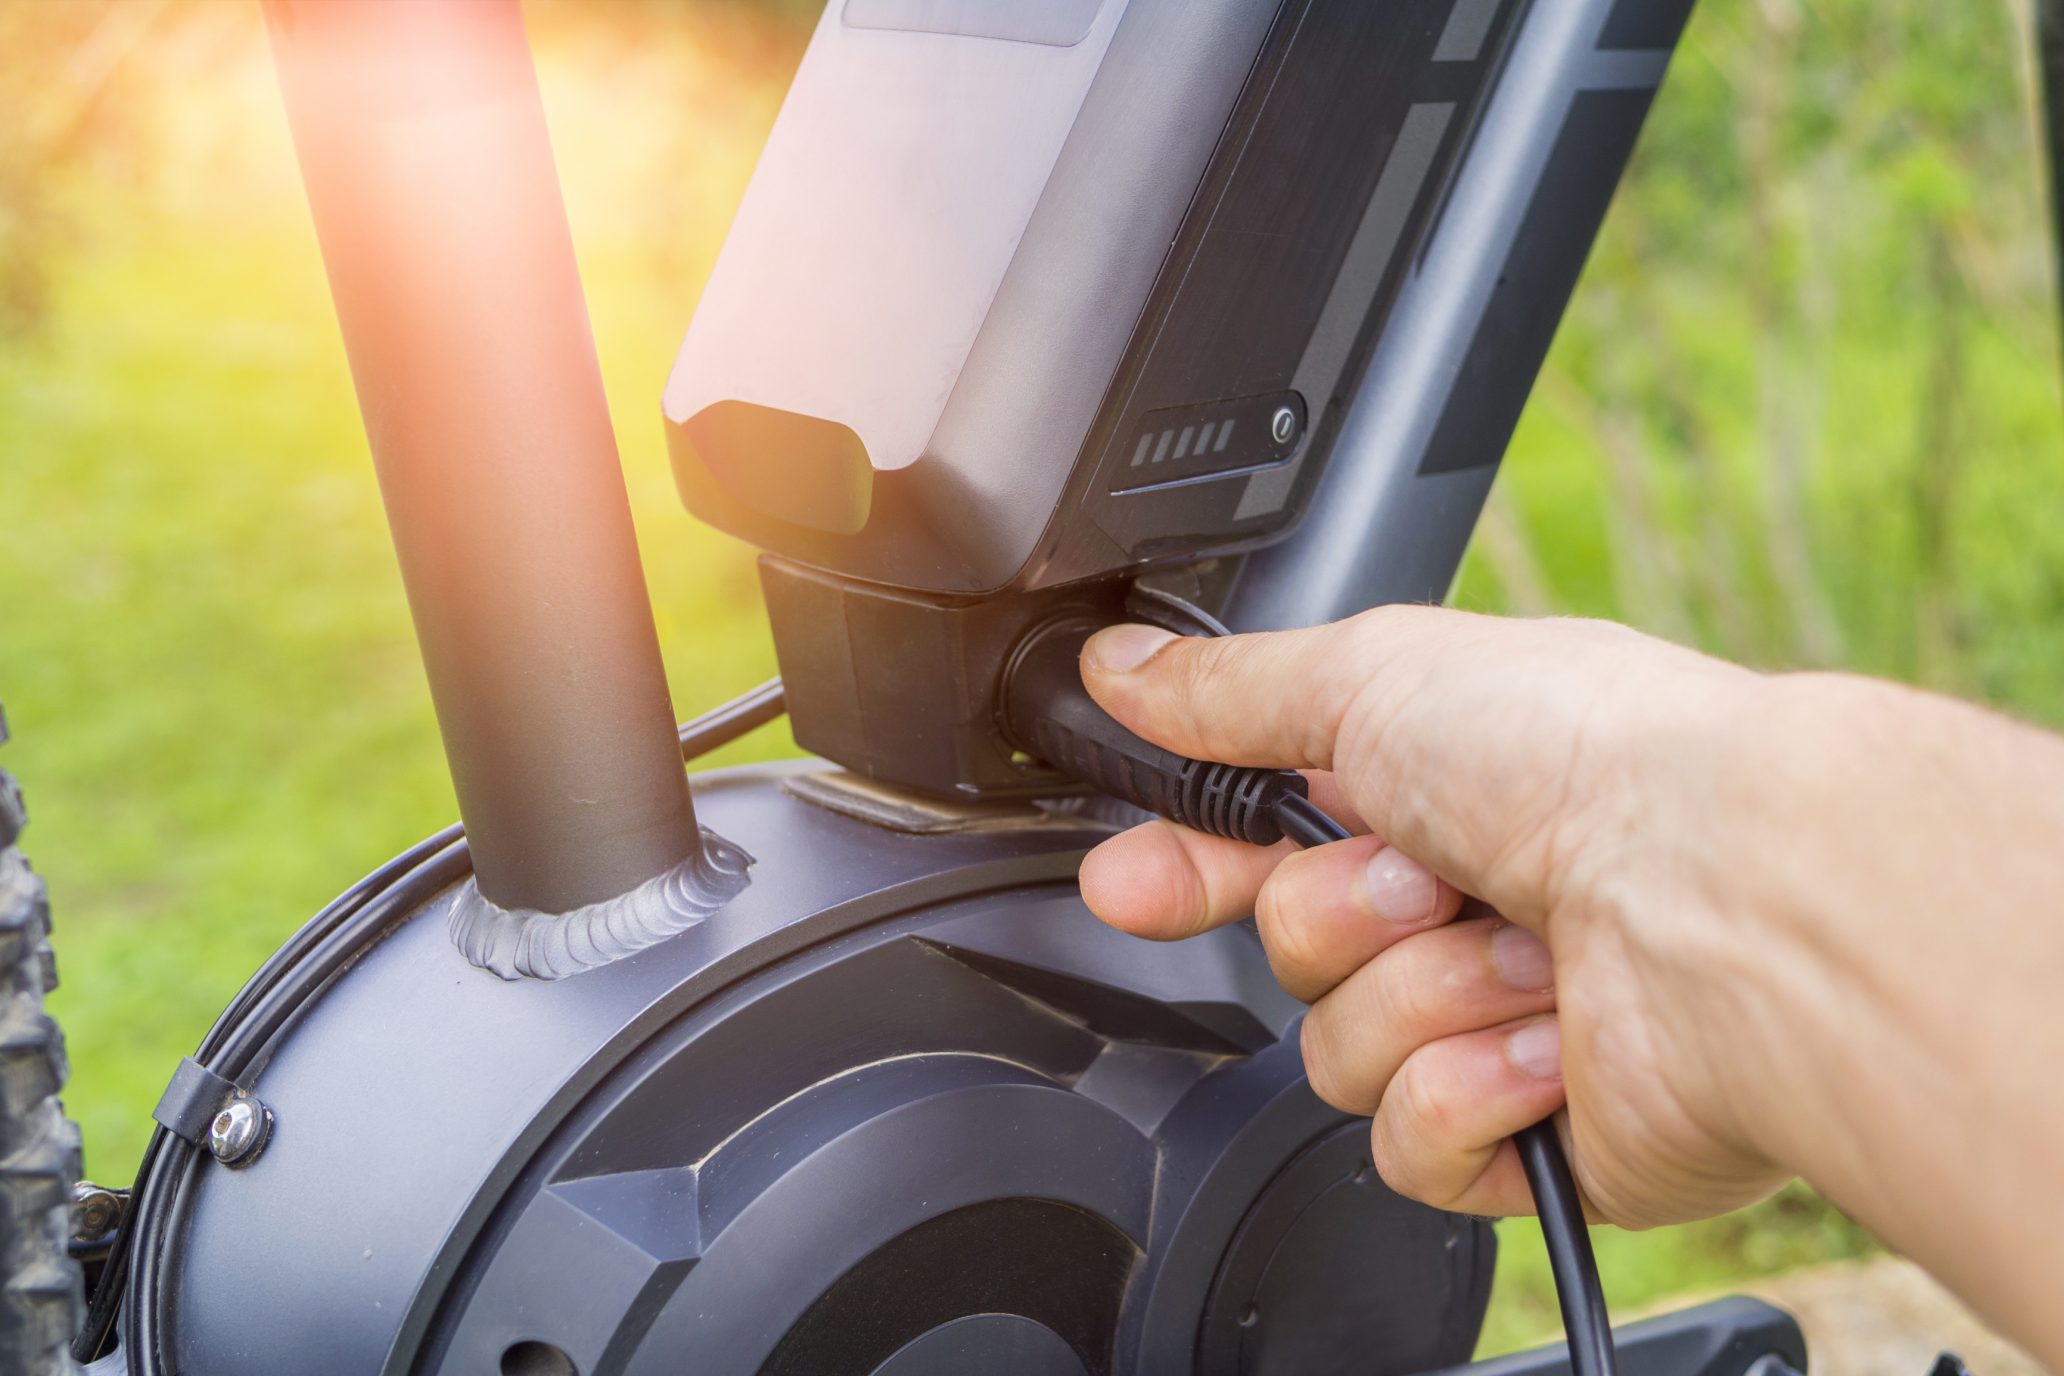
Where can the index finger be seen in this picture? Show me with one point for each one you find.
(1165, 882)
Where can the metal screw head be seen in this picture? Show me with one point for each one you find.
(1283, 425)
(238, 1132)
(96, 1211)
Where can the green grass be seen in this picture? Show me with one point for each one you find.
(209, 666)
(207, 662)
(1667, 1267)
(206, 658)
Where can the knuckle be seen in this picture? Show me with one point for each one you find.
(1398, 999)
(1413, 1096)
(1321, 1064)
(1191, 899)
(1352, 704)
(1279, 915)
(1185, 668)
(1377, 624)
(1384, 1155)
(1268, 910)
(1395, 1160)
(1199, 680)
(1211, 664)
(1600, 630)
(1412, 1140)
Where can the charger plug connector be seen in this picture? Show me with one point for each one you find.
(1049, 715)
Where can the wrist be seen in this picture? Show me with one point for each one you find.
(1894, 870)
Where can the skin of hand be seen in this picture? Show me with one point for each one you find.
(1740, 926)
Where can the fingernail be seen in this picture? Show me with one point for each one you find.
(1521, 959)
(1400, 889)
(1536, 1049)
(1121, 649)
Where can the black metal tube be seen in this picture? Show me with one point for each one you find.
(430, 177)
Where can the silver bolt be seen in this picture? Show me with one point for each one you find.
(1283, 424)
(96, 1211)
(239, 1131)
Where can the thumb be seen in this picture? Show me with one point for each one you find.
(1273, 698)
(1465, 741)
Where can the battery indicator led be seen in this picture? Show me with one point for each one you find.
(1183, 444)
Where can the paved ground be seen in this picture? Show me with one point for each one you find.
(1884, 1317)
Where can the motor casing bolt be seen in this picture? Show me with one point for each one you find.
(239, 1131)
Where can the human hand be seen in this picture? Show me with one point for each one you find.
(1546, 771)
(1739, 926)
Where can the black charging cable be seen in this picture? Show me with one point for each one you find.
(1050, 715)
(1577, 1287)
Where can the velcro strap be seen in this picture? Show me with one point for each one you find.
(192, 1100)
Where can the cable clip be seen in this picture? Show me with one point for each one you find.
(190, 1103)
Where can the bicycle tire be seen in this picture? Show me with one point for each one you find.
(41, 1288)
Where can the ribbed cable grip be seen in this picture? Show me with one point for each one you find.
(1049, 714)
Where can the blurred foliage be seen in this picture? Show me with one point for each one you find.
(75, 59)
(1667, 1268)
(1804, 411)
(206, 658)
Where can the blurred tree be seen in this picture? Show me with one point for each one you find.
(72, 56)
(1809, 382)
